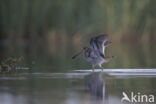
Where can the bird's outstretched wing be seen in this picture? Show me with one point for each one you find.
(99, 43)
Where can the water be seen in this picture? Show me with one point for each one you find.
(50, 76)
(75, 87)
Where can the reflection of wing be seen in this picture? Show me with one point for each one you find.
(97, 44)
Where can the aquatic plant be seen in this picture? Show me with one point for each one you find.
(10, 64)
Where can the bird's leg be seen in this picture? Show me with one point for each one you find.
(93, 68)
(101, 68)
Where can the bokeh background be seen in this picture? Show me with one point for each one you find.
(47, 33)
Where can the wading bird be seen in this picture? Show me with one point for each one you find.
(96, 53)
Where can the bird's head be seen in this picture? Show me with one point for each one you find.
(85, 49)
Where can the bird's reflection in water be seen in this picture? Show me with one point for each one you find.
(95, 84)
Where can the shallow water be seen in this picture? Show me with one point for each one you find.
(48, 75)
(75, 87)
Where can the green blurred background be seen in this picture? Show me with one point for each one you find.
(47, 33)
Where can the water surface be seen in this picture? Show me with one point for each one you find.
(75, 87)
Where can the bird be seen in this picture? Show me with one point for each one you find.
(96, 53)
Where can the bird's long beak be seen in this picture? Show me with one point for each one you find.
(76, 55)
